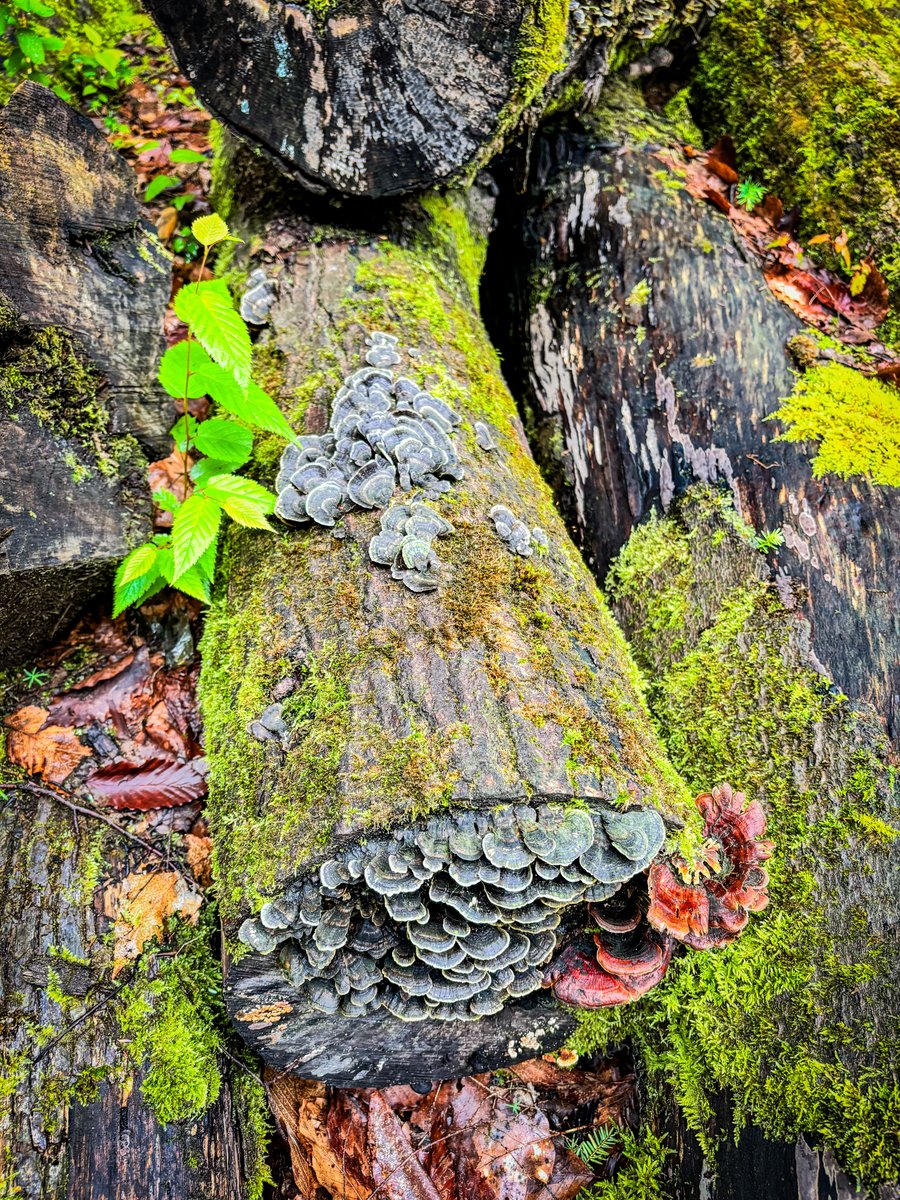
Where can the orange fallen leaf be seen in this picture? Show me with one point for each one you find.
(53, 751)
(199, 857)
(143, 902)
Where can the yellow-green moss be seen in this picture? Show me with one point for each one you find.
(540, 49)
(782, 1019)
(454, 233)
(854, 418)
(811, 95)
(257, 1127)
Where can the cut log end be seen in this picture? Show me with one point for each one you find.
(420, 955)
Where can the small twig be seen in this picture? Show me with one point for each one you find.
(62, 798)
(79, 1020)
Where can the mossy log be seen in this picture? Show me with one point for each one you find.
(74, 1121)
(341, 708)
(651, 355)
(377, 99)
(791, 1032)
(83, 288)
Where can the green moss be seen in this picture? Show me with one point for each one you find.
(854, 418)
(454, 234)
(44, 373)
(257, 1127)
(639, 1174)
(782, 1019)
(540, 49)
(172, 1015)
(815, 113)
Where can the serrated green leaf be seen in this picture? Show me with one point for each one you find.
(183, 431)
(247, 513)
(175, 364)
(159, 184)
(166, 500)
(194, 528)
(204, 470)
(236, 487)
(136, 591)
(141, 561)
(211, 230)
(184, 155)
(193, 583)
(225, 440)
(218, 328)
(206, 563)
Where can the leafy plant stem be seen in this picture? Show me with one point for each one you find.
(187, 382)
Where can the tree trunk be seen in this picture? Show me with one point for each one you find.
(653, 354)
(74, 1124)
(83, 288)
(342, 708)
(389, 98)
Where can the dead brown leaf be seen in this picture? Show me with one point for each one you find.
(396, 1169)
(199, 857)
(52, 751)
(301, 1106)
(142, 903)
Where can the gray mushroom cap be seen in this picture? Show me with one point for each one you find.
(638, 833)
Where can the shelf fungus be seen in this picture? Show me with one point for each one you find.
(515, 534)
(404, 543)
(259, 297)
(451, 919)
(703, 905)
(708, 904)
(385, 432)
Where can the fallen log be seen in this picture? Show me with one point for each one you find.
(651, 355)
(83, 287)
(388, 98)
(427, 742)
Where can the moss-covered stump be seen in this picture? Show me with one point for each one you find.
(342, 708)
(108, 1089)
(811, 96)
(653, 356)
(83, 289)
(797, 1022)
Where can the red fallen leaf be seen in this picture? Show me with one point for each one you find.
(111, 694)
(156, 783)
(396, 1169)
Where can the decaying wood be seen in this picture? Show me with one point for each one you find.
(83, 287)
(74, 1123)
(506, 684)
(652, 353)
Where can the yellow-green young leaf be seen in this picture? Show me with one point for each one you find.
(225, 440)
(166, 500)
(245, 512)
(193, 530)
(139, 562)
(213, 321)
(236, 487)
(211, 230)
(193, 583)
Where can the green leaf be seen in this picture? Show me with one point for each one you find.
(182, 154)
(183, 432)
(211, 229)
(140, 561)
(246, 512)
(173, 369)
(32, 45)
(159, 184)
(193, 583)
(195, 526)
(137, 591)
(226, 440)
(166, 500)
(208, 379)
(218, 328)
(206, 563)
(236, 487)
(110, 59)
(204, 470)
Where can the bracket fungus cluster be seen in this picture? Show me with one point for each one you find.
(451, 919)
(515, 534)
(404, 543)
(384, 432)
(701, 905)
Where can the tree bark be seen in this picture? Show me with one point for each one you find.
(74, 1124)
(83, 288)
(389, 98)
(507, 684)
(652, 355)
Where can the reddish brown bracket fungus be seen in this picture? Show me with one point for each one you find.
(708, 905)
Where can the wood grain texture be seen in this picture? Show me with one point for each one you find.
(383, 100)
(638, 393)
(62, 1135)
(83, 288)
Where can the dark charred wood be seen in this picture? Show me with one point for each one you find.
(650, 352)
(468, 697)
(70, 1127)
(83, 287)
